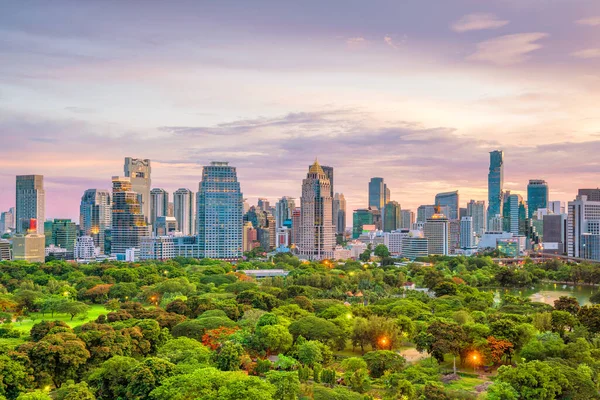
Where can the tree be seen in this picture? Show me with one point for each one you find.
(146, 376)
(184, 350)
(110, 379)
(561, 321)
(196, 328)
(36, 395)
(58, 356)
(445, 289)
(310, 353)
(365, 256)
(228, 358)
(589, 316)
(360, 333)
(14, 377)
(73, 308)
(441, 338)
(502, 391)
(287, 385)
(74, 391)
(275, 338)
(378, 362)
(534, 380)
(499, 348)
(314, 328)
(566, 303)
(381, 251)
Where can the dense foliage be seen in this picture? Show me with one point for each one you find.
(200, 329)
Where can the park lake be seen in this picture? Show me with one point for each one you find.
(548, 292)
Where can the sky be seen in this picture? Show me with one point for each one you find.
(416, 91)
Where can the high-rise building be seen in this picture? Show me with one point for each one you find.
(495, 224)
(392, 218)
(283, 211)
(476, 209)
(407, 219)
(128, 222)
(95, 215)
(30, 203)
(249, 237)
(437, 231)
(263, 204)
(159, 204)
(138, 171)
(361, 217)
(29, 247)
(591, 194)
(296, 220)
(220, 204)
(425, 212)
(5, 252)
(462, 212)
(583, 218)
(164, 226)
(537, 196)
(450, 199)
(85, 248)
(377, 194)
(7, 221)
(317, 236)
(554, 233)
(515, 214)
(183, 211)
(467, 233)
(415, 246)
(556, 207)
(495, 183)
(64, 234)
(339, 213)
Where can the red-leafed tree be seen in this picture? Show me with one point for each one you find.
(214, 338)
(498, 349)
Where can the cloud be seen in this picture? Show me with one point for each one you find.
(508, 49)
(356, 42)
(477, 22)
(79, 110)
(390, 42)
(590, 21)
(587, 53)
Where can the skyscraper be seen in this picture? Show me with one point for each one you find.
(450, 199)
(583, 219)
(408, 219)
(537, 196)
(283, 212)
(263, 204)
(159, 204)
(128, 222)
(361, 217)
(591, 194)
(138, 171)
(467, 236)
(392, 217)
(476, 209)
(377, 194)
(183, 210)
(437, 231)
(95, 215)
(220, 205)
(495, 183)
(425, 212)
(30, 203)
(317, 237)
(515, 214)
(339, 213)
(7, 221)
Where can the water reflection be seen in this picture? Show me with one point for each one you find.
(548, 292)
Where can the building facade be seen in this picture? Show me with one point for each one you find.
(129, 224)
(139, 171)
(317, 236)
(7, 221)
(183, 211)
(30, 203)
(495, 183)
(339, 213)
(392, 218)
(377, 194)
(360, 218)
(30, 247)
(283, 211)
(583, 218)
(407, 219)
(64, 234)
(159, 204)
(219, 214)
(467, 233)
(537, 196)
(95, 215)
(5, 251)
(476, 210)
(437, 232)
(85, 248)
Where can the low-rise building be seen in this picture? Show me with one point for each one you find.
(30, 247)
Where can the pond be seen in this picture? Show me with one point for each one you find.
(548, 292)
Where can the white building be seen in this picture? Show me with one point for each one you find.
(56, 251)
(415, 245)
(183, 210)
(138, 171)
(583, 218)
(467, 234)
(489, 239)
(159, 204)
(132, 254)
(495, 224)
(157, 248)
(393, 240)
(85, 248)
(477, 210)
(341, 253)
(5, 253)
(436, 230)
(356, 249)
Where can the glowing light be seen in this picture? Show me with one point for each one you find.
(349, 316)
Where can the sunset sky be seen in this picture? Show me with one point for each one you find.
(415, 91)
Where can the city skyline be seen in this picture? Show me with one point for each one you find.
(394, 94)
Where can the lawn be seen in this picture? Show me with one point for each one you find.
(467, 384)
(93, 313)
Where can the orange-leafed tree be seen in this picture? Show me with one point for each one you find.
(214, 338)
(498, 349)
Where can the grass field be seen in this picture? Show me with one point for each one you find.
(466, 384)
(93, 313)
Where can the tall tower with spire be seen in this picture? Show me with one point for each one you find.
(317, 234)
